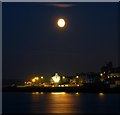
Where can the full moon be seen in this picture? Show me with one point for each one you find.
(61, 23)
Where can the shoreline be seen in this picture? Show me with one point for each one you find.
(62, 89)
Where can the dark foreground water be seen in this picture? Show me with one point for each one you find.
(39, 102)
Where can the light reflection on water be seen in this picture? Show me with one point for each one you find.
(56, 93)
(57, 102)
(60, 102)
(101, 94)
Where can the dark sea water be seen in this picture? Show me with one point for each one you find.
(39, 102)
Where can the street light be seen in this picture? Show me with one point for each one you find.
(36, 78)
(77, 76)
(33, 80)
(101, 74)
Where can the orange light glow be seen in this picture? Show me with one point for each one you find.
(77, 93)
(56, 93)
(33, 80)
(101, 94)
(36, 78)
(35, 93)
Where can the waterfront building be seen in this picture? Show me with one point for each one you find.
(55, 79)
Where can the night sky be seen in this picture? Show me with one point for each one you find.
(33, 44)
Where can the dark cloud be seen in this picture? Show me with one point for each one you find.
(63, 5)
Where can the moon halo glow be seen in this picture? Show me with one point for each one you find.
(61, 23)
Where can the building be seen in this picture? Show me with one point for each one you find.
(113, 80)
(55, 79)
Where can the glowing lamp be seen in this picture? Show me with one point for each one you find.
(56, 78)
(36, 78)
(33, 80)
(77, 76)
